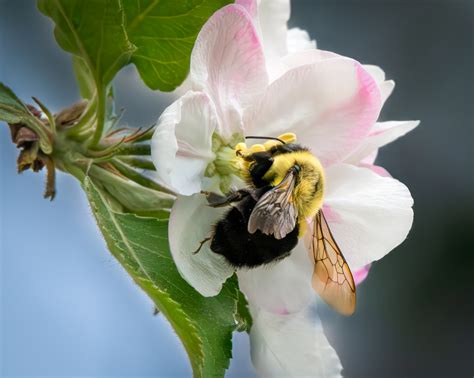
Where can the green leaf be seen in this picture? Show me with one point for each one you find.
(92, 30)
(84, 77)
(164, 32)
(132, 197)
(140, 244)
(13, 110)
(243, 317)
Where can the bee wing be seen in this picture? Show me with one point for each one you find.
(275, 212)
(332, 278)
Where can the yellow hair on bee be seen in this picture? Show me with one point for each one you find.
(309, 189)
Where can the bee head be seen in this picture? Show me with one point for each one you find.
(242, 151)
(282, 139)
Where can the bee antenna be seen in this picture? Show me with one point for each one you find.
(262, 137)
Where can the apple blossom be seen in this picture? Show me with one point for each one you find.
(240, 84)
(287, 48)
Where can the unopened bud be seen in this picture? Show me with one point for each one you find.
(71, 115)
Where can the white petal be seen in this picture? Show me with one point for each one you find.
(273, 16)
(191, 221)
(330, 106)
(372, 214)
(228, 63)
(386, 88)
(368, 159)
(283, 287)
(300, 58)
(381, 134)
(298, 40)
(291, 346)
(304, 57)
(181, 147)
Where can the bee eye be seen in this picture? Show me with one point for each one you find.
(297, 168)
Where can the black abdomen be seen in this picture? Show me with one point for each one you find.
(242, 249)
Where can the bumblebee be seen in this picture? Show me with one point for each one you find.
(285, 189)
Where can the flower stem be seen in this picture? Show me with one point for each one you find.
(134, 149)
(147, 135)
(101, 107)
(133, 175)
(138, 162)
(46, 111)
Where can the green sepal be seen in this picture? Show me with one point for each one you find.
(13, 111)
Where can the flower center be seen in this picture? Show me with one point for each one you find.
(225, 164)
(230, 163)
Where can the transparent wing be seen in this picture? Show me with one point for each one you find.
(275, 212)
(332, 278)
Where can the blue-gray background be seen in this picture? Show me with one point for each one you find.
(67, 308)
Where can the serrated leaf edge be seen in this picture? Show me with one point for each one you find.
(192, 331)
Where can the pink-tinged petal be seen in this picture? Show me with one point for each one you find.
(381, 134)
(282, 287)
(298, 40)
(191, 222)
(250, 6)
(331, 215)
(377, 169)
(377, 73)
(374, 213)
(386, 86)
(228, 63)
(330, 106)
(181, 147)
(270, 18)
(370, 159)
(361, 274)
(292, 345)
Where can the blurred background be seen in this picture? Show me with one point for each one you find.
(68, 309)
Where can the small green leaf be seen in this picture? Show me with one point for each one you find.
(13, 110)
(164, 32)
(140, 244)
(94, 31)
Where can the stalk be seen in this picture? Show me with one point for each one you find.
(138, 162)
(133, 175)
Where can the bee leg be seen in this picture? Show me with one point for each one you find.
(201, 244)
(216, 200)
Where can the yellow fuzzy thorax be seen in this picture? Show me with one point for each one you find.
(309, 189)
